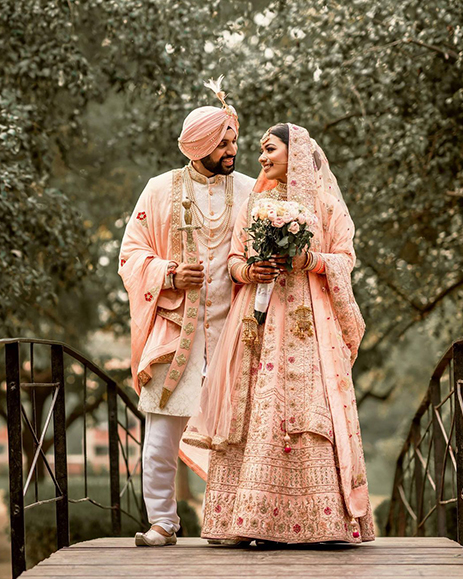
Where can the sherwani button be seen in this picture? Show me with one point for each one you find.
(209, 280)
(208, 303)
(206, 325)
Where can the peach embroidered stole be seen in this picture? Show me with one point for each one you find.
(191, 303)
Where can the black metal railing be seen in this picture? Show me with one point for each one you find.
(24, 420)
(427, 497)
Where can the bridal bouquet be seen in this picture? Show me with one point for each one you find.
(279, 228)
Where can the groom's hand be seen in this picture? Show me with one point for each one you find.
(263, 272)
(189, 276)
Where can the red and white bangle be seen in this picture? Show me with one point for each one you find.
(239, 272)
(315, 263)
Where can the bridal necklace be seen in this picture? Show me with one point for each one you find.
(282, 190)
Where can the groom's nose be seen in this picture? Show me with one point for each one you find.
(232, 149)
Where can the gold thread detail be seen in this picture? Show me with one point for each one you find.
(185, 344)
(181, 360)
(166, 394)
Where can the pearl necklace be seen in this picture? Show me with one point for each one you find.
(211, 228)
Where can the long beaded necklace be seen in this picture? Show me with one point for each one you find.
(211, 228)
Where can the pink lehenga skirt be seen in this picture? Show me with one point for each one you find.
(256, 490)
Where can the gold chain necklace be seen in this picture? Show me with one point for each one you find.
(219, 232)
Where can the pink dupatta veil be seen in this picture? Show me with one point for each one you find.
(339, 316)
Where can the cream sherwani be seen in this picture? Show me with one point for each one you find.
(214, 301)
(146, 245)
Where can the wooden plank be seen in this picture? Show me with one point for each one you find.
(189, 542)
(193, 558)
(320, 551)
(269, 571)
(255, 558)
(272, 573)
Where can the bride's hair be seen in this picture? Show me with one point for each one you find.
(281, 130)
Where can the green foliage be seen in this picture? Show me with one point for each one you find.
(43, 242)
(93, 97)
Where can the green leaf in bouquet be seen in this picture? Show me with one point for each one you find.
(260, 316)
(283, 241)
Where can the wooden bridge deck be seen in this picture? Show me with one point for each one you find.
(437, 558)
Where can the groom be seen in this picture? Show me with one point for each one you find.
(173, 263)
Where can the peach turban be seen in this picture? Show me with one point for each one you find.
(204, 128)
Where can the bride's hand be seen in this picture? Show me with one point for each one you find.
(263, 272)
(280, 262)
(299, 261)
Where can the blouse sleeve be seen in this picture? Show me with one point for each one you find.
(237, 256)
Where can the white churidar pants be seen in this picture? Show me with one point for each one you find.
(160, 452)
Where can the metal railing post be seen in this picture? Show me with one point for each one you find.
(18, 415)
(143, 504)
(15, 458)
(458, 385)
(59, 439)
(419, 479)
(114, 458)
(439, 452)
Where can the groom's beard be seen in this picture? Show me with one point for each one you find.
(217, 168)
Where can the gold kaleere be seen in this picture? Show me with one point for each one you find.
(250, 335)
(303, 325)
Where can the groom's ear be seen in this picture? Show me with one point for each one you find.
(318, 160)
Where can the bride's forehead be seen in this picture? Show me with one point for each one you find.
(271, 140)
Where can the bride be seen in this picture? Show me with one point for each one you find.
(278, 407)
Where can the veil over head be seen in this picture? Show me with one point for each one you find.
(305, 177)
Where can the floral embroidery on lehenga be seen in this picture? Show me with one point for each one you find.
(256, 490)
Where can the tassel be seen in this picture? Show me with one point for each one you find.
(355, 528)
(250, 335)
(303, 326)
(287, 441)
